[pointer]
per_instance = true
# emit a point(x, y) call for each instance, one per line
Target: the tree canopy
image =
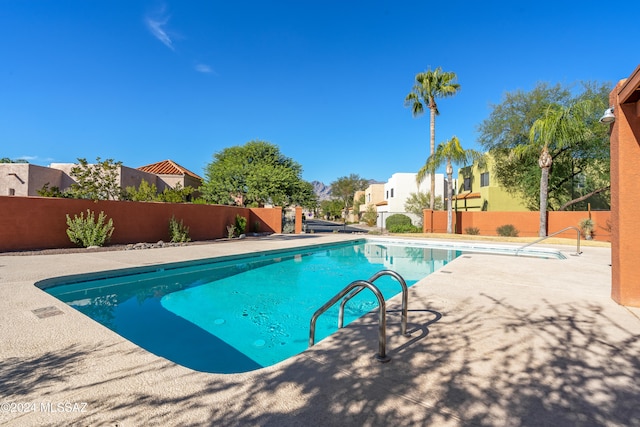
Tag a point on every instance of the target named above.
point(579, 169)
point(345, 187)
point(255, 174)
point(8, 160)
point(98, 181)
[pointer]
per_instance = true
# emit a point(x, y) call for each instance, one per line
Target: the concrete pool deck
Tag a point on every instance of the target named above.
point(496, 341)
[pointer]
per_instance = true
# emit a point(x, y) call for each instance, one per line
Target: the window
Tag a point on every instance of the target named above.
point(387, 194)
point(467, 184)
point(392, 192)
point(484, 179)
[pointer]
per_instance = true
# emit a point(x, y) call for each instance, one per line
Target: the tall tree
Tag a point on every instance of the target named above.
point(578, 170)
point(344, 189)
point(429, 86)
point(449, 153)
point(253, 175)
point(558, 129)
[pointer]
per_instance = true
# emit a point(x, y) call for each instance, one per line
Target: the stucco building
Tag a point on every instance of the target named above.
point(477, 190)
point(25, 179)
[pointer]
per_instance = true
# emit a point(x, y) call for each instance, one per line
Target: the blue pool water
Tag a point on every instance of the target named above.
point(240, 314)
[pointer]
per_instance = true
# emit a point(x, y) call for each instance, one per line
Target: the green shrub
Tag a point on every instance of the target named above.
point(396, 220)
point(241, 224)
point(178, 231)
point(473, 231)
point(404, 228)
point(507, 230)
point(87, 231)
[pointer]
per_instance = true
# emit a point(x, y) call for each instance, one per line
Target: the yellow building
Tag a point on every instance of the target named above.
point(478, 191)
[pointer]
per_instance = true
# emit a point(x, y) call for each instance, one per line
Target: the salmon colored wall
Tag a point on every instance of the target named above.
point(527, 223)
point(601, 219)
point(40, 222)
point(298, 220)
point(625, 175)
point(439, 222)
point(270, 220)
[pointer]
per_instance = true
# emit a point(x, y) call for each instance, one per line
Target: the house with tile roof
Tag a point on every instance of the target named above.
point(25, 179)
point(172, 174)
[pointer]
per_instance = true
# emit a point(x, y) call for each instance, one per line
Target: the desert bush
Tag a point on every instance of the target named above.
point(473, 231)
point(241, 224)
point(178, 231)
point(507, 230)
point(370, 216)
point(88, 231)
point(231, 231)
point(587, 227)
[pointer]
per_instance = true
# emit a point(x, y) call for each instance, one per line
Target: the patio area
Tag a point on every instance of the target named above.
point(496, 341)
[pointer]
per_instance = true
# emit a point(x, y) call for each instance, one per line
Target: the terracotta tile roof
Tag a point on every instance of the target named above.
point(467, 196)
point(168, 167)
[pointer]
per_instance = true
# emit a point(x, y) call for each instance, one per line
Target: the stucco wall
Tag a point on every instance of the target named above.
point(625, 175)
point(26, 179)
point(527, 223)
point(40, 222)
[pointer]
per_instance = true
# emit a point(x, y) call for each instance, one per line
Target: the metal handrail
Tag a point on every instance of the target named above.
point(405, 298)
point(382, 327)
point(578, 252)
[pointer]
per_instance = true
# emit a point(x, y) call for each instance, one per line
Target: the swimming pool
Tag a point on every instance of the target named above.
point(240, 313)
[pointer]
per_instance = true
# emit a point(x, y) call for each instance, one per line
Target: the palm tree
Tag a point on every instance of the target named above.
point(430, 85)
point(449, 152)
point(559, 128)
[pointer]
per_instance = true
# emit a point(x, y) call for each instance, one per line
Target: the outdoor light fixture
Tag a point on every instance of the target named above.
point(608, 116)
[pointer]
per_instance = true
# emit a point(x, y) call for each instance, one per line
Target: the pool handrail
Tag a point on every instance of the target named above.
point(382, 322)
point(405, 298)
point(578, 252)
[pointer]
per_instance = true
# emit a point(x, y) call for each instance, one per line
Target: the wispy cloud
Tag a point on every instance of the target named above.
point(157, 26)
point(203, 68)
point(36, 159)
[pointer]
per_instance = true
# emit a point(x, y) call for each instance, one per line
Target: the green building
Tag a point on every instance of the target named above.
point(477, 191)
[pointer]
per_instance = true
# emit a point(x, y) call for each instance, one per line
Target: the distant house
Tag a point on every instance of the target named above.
point(172, 174)
point(399, 188)
point(373, 194)
point(478, 190)
point(25, 179)
point(390, 197)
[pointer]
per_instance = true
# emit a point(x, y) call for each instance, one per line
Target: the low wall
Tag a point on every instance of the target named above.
point(40, 222)
point(527, 223)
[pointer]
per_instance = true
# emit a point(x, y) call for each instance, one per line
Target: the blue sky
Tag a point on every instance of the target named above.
point(145, 81)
